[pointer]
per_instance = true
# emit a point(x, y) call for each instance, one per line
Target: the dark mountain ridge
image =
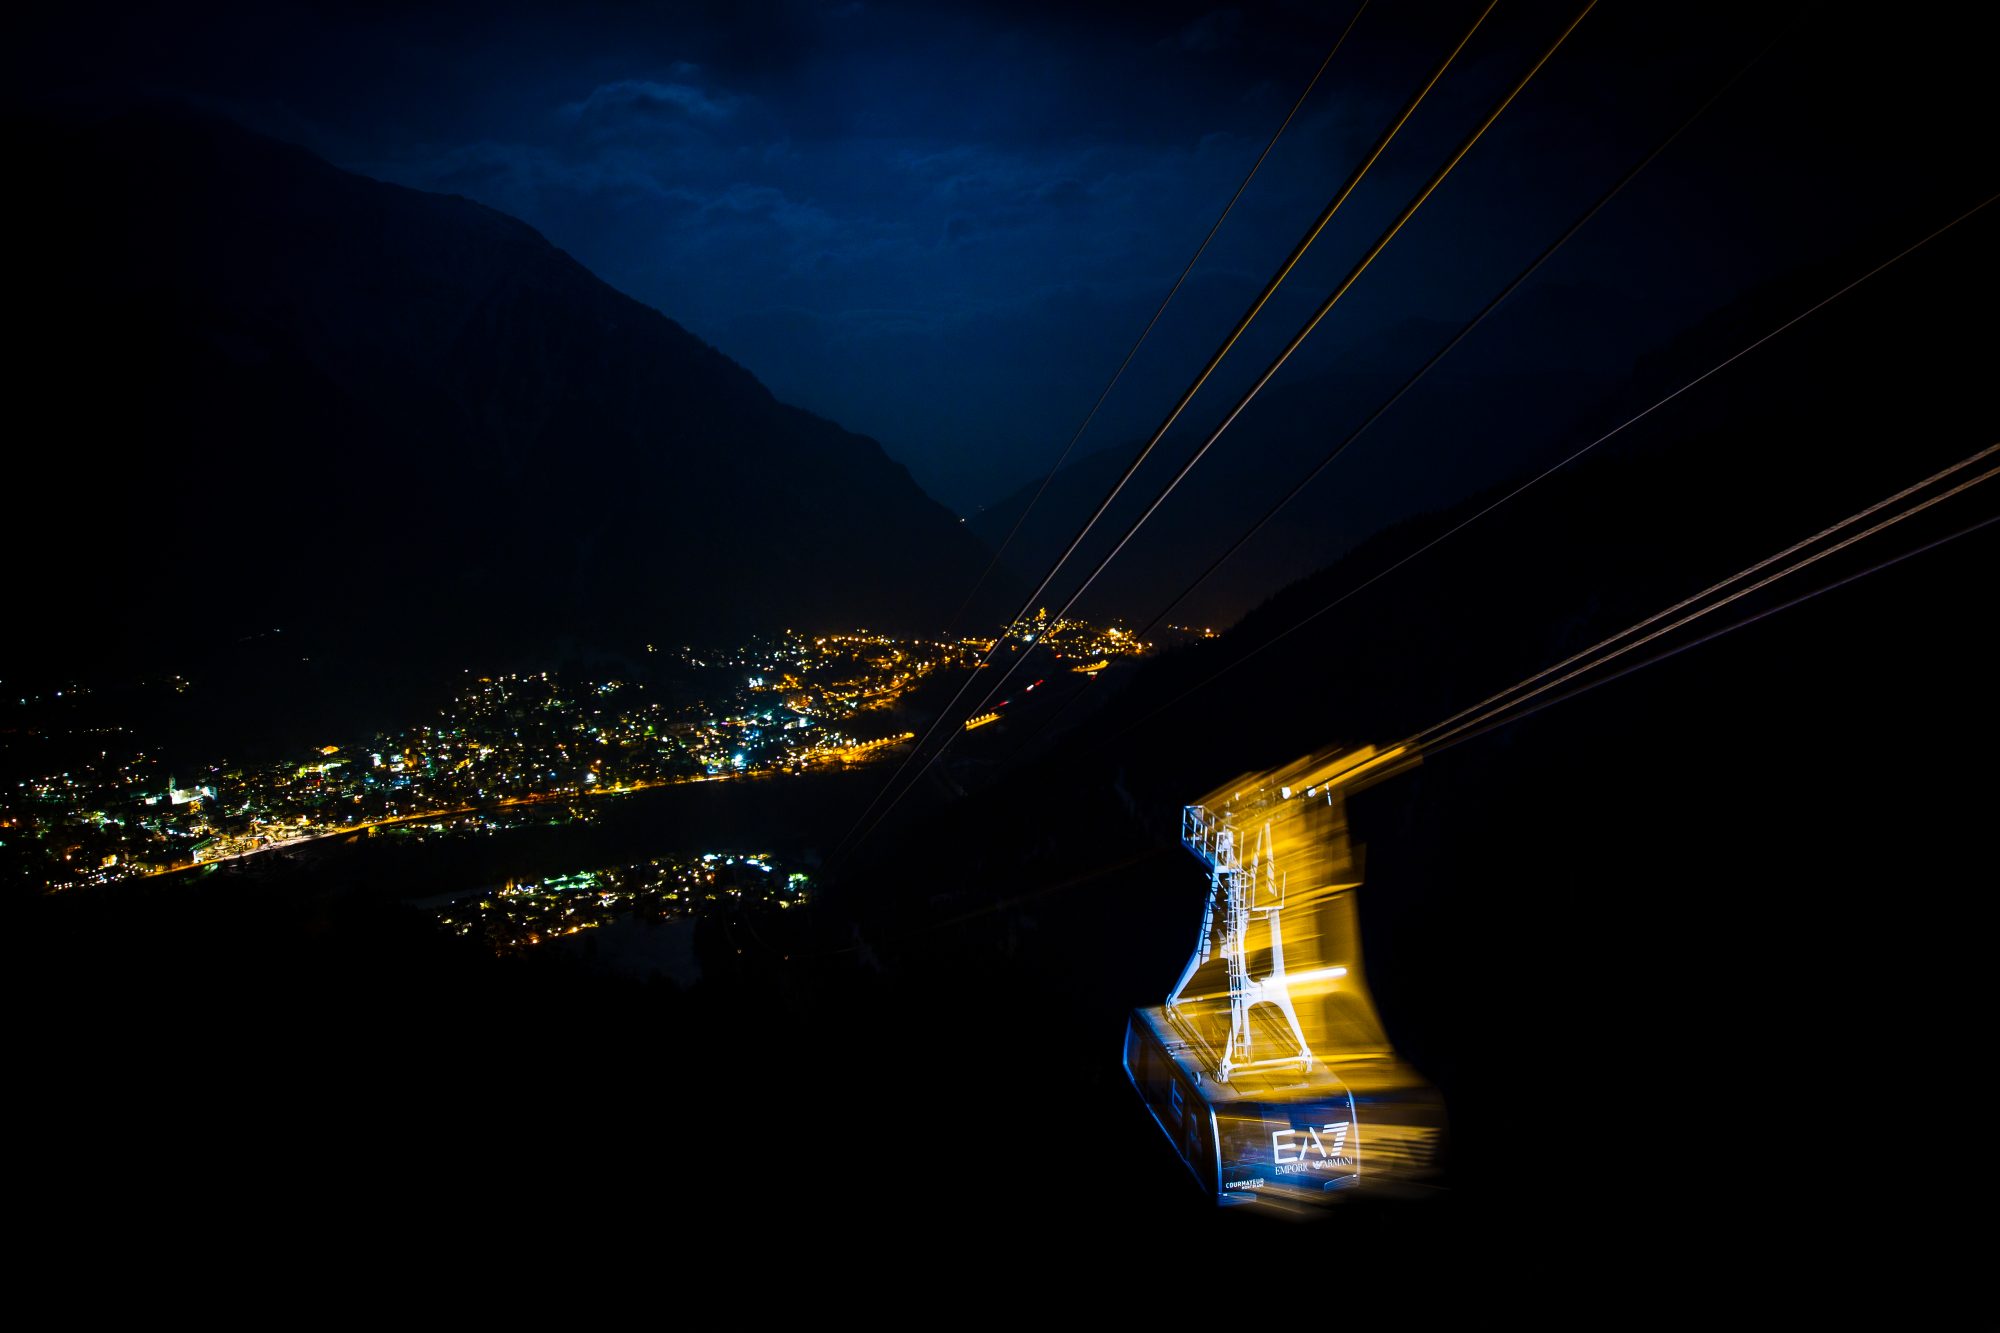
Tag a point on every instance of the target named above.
point(274, 393)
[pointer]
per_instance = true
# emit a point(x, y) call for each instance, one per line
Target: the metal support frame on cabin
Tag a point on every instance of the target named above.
point(1241, 893)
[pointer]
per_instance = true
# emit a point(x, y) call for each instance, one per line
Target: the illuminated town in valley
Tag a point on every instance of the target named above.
point(507, 750)
point(522, 913)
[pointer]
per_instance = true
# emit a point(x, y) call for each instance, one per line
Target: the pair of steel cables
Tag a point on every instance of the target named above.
point(1545, 687)
point(1561, 464)
point(1519, 700)
point(865, 825)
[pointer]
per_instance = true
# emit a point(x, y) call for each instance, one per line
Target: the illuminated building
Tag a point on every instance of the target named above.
point(1267, 1066)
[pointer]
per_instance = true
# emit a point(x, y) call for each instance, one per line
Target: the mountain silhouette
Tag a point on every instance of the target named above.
point(269, 393)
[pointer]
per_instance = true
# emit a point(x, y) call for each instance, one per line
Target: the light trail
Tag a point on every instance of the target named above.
point(1741, 574)
point(1517, 698)
point(1558, 466)
point(1966, 531)
point(1146, 332)
point(1719, 633)
point(1305, 330)
point(1215, 359)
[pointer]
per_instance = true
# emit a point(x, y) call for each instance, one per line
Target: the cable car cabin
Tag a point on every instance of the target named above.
point(1267, 1067)
point(1285, 1139)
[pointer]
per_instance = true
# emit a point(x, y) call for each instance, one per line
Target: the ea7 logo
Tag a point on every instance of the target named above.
point(1327, 1141)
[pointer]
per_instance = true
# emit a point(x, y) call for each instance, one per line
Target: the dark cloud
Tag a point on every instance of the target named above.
point(635, 106)
point(1213, 31)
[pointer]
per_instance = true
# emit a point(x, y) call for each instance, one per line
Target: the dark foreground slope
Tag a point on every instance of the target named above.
point(1698, 959)
point(259, 391)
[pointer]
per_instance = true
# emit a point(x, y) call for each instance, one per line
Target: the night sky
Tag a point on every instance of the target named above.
point(943, 225)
